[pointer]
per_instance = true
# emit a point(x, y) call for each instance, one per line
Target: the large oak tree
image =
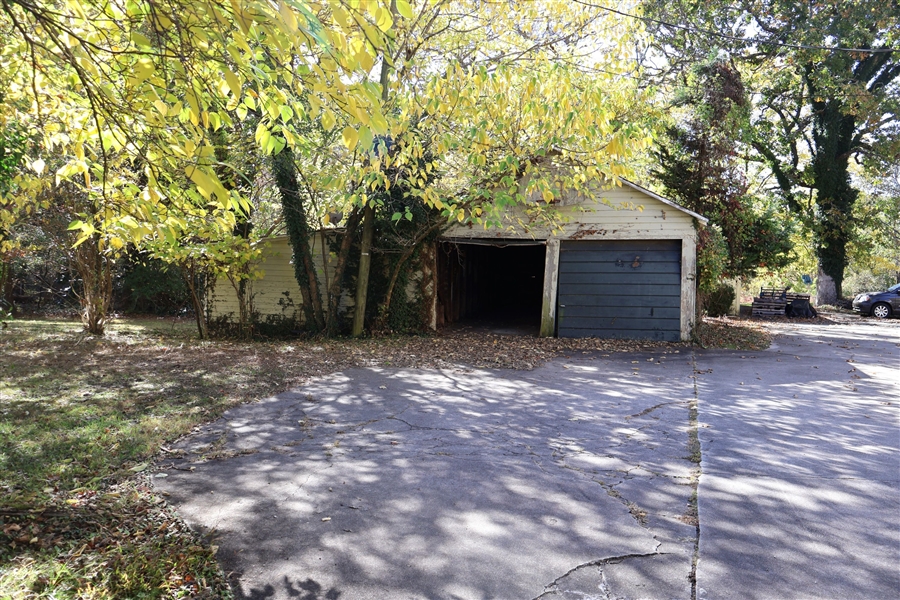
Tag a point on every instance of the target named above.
point(823, 76)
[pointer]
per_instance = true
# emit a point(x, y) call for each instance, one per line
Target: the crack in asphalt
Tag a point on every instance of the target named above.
point(561, 452)
point(413, 427)
point(647, 411)
point(553, 586)
point(694, 439)
point(324, 467)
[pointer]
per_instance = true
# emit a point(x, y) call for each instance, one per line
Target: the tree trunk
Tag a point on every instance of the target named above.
point(827, 290)
point(696, 337)
point(244, 293)
point(191, 278)
point(833, 133)
point(332, 324)
point(301, 238)
point(365, 261)
point(386, 308)
point(95, 270)
point(6, 289)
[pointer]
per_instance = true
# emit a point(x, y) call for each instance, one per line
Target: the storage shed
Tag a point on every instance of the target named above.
point(625, 269)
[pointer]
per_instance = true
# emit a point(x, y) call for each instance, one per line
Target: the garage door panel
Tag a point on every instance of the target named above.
point(578, 256)
point(620, 312)
point(635, 256)
point(615, 289)
point(612, 267)
point(643, 279)
point(613, 300)
point(629, 289)
point(666, 246)
point(623, 334)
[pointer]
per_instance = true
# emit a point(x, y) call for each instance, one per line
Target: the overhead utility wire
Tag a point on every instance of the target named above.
point(732, 37)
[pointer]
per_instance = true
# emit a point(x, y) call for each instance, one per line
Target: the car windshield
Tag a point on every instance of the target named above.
point(894, 288)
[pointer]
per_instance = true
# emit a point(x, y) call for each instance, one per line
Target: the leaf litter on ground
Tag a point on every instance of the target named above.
point(83, 417)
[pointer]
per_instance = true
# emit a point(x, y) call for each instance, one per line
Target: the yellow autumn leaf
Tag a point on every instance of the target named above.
point(613, 147)
point(192, 101)
point(378, 123)
point(290, 19)
point(365, 60)
point(327, 120)
point(140, 39)
point(234, 83)
point(365, 138)
point(205, 184)
point(404, 8)
point(383, 19)
point(341, 16)
point(350, 137)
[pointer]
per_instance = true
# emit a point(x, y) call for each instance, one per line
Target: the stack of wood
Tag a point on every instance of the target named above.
point(773, 302)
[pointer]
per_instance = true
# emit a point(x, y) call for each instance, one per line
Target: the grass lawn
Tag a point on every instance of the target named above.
point(82, 419)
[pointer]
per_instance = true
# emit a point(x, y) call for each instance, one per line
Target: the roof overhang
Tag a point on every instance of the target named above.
point(499, 242)
point(656, 196)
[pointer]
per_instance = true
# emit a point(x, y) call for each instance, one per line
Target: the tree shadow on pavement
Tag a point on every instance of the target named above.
point(303, 590)
point(800, 489)
point(458, 483)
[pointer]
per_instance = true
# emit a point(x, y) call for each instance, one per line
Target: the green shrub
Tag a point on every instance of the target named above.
point(149, 286)
point(718, 302)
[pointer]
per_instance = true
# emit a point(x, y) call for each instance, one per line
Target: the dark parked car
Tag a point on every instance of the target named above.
point(879, 304)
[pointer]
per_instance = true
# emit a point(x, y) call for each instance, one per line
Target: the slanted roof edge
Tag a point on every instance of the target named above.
point(671, 203)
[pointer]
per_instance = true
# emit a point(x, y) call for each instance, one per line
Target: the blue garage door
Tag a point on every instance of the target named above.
point(624, 290)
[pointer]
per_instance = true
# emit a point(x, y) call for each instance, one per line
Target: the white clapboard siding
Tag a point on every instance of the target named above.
point(631, 213)
point(278, 278)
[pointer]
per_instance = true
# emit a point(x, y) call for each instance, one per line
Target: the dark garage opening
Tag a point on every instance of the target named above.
point(491, 285)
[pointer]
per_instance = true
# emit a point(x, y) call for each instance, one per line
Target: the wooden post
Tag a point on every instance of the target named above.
point(689, 302)
point(551, 281)
point(736, 305)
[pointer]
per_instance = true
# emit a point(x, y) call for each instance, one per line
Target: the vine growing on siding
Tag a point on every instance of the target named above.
point(301, 237)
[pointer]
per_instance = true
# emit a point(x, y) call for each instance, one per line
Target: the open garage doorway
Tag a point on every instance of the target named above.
point(491, 284)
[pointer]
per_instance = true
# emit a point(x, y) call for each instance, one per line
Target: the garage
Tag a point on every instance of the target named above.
point(620, 289)
point(620, 264)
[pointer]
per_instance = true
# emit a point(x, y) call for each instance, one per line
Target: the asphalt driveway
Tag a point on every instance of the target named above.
point(574, 480)
point(800, 492)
